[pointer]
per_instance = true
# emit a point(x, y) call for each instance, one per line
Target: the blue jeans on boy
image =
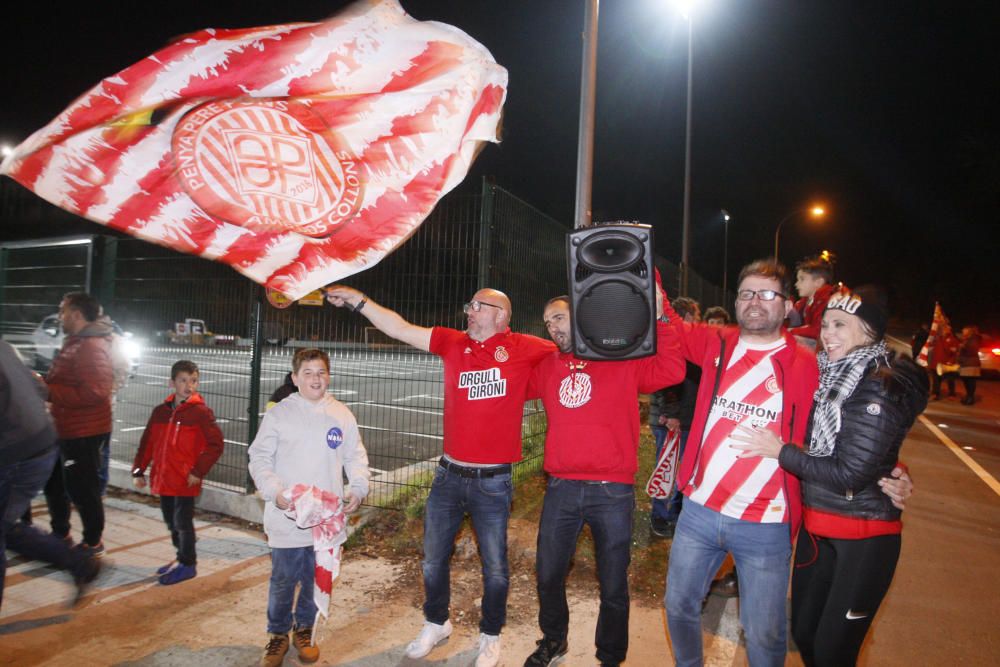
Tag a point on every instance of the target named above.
point(19, 484)
point(607, 508)
point(487, 501)
point(178, 514)
point(761, 552)
point(668, 509)
point(291, 567)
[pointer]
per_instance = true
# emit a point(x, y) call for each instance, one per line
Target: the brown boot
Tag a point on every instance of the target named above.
point(274, 652)
point(302, 638)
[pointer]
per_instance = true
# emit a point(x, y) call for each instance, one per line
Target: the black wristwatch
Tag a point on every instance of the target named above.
point(361, 304)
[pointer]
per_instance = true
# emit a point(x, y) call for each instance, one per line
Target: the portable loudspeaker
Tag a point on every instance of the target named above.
point(612, 291)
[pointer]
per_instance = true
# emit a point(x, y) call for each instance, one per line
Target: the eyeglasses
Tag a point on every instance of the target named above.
point(477, 306)
point(762, 294)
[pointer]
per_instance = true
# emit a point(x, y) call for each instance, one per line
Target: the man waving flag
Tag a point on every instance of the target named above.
point(298, 154)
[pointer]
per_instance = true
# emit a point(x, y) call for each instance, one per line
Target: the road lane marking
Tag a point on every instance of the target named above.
point(962, 456)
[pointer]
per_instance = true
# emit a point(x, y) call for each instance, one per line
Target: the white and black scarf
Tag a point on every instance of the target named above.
point(837, 381)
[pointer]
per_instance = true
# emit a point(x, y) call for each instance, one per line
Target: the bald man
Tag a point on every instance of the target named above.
point(486, 372)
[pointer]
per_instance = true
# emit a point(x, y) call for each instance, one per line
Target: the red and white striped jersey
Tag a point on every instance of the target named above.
point(750, 489)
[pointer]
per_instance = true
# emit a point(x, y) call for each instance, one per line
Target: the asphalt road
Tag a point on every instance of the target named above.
point(397, 398)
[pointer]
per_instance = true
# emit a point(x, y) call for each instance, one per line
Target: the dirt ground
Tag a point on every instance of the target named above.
point(218, 618)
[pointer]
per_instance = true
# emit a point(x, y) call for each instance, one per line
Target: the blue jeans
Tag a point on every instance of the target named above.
point(19, 484)
point(291, 567)
point(668, 509)
point(761, 552)
point(607, 508)
point(178, 514)
point(487, 502)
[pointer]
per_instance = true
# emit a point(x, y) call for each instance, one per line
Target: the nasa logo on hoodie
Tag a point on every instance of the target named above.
point(334, 438)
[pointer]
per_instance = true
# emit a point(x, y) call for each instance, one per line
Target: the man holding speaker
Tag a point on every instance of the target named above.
point(486, 373)
point(591, 456)
point(755, 374)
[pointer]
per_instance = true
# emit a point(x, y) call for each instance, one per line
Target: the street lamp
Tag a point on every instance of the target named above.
point(687, 9)
point(725, 253)
point(816, 212)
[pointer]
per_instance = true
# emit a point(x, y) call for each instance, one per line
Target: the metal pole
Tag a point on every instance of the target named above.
point(777, 232)
point(257, 352)
point(725, 258)
point(488, 195)
point(585, 140)
point(686, 228)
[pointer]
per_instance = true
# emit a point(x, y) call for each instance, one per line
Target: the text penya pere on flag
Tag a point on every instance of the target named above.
point(299, 154)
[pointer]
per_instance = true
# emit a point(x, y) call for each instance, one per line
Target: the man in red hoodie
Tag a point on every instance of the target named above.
point(591, 450)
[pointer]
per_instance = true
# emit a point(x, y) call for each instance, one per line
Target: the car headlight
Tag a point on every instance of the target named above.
point(132, 349)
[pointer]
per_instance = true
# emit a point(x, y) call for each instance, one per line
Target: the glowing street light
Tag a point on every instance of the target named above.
point(816, 212)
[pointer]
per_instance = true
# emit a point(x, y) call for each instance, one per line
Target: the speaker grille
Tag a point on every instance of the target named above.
point(615, 317)
point(611, 252)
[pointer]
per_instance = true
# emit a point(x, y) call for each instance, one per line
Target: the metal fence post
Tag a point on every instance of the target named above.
point(256, 351)
point(485, 232)
point(103, 284)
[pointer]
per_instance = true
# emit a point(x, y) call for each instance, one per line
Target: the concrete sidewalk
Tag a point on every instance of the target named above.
point(218, 618)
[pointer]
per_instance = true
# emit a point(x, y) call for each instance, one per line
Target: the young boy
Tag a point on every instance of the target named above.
point(814, 283)
point(308, 438)
point(183, 442)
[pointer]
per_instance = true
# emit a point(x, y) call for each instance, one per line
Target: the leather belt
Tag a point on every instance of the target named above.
point(480, 473)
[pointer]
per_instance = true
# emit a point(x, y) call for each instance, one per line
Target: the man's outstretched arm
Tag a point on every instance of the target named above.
point(387, 321)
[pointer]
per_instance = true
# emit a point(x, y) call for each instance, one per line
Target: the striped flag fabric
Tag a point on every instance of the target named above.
point(937, 327)
point(322, 512)
point(298, 154)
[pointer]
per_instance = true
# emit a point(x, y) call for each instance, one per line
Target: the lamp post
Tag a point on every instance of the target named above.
point(585, 137)
point(814, 211)
point(725, 252)
point(686, 10)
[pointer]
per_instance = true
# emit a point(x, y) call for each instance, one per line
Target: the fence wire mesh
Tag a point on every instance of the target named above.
point(182, 307)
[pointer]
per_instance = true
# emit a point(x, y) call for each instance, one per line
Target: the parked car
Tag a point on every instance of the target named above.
point(47, 340)
point(989, 356)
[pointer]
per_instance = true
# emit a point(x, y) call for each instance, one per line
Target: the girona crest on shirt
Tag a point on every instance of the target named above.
point(575, 389)
point(266, 165)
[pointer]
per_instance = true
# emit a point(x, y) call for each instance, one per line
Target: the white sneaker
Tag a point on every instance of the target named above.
point(489, 650)
point(430, 636)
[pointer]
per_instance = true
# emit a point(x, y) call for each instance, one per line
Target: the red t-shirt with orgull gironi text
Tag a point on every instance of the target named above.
point(484, 390)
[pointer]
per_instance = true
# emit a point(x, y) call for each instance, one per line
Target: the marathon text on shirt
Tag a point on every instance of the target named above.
point(483, 384)
point(737, 410)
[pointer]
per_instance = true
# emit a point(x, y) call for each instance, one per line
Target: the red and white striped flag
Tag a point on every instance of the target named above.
point(298, 154)
point(321, 511)
point(937, 325)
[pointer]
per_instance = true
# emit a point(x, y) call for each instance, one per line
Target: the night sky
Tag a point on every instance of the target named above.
point(884, 111)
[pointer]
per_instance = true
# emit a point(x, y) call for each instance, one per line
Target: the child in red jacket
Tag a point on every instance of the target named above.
point(183, 442)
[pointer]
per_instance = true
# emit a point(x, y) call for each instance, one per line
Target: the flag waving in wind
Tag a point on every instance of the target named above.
point(937, 330)
point(298, 154)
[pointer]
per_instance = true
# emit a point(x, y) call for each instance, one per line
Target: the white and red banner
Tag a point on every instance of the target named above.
point(661, 482)
point(937, 329)
point(321, 511)
point(298, 154)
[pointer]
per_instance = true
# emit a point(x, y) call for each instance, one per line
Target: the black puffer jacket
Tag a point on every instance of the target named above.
point(874, 421)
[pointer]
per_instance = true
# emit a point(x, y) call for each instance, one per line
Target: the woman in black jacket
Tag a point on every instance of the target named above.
point(849, 545)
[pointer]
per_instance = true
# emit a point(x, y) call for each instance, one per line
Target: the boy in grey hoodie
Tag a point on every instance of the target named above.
point(309, 438)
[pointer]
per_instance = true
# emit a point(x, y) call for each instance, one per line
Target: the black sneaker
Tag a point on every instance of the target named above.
point(548, 651)
point(662, 527)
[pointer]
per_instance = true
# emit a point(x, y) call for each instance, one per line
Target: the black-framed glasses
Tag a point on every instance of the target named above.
point(477, 306)
point(762, 294)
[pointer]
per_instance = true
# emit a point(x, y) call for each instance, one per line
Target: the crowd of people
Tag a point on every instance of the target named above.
point(783, 450)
